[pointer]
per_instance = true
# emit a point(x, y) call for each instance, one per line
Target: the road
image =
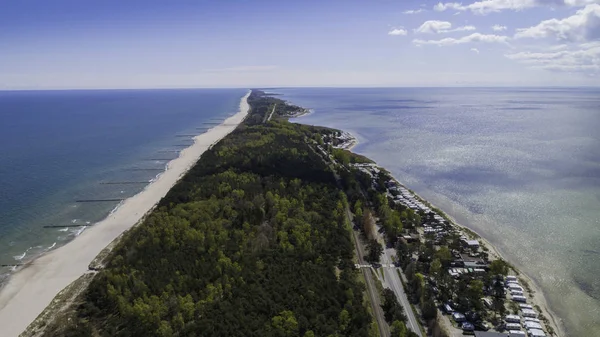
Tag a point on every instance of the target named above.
point(392, 280)
point(268, 117)
point(384, 328)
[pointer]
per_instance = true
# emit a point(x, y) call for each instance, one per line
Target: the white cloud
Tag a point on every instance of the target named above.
point(583, 58)
point(584, 25)
point(498, 28)
point(436, 27)
point(475, 50)
point(489, 6)
point(433, 26)
point(475, 37)
point(414, 11)
point(398, 32)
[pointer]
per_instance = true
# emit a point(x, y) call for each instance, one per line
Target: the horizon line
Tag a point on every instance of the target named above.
point(300, 87)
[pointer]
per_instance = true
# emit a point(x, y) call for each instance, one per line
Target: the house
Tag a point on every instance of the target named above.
point(532, 325)
point(514, 286)
point(518, 298)
point(529, 313)
point(490, 334)
point(516, 333)
point(473, 244)
point(513, 326)
point(536, 333)
point(513, 318)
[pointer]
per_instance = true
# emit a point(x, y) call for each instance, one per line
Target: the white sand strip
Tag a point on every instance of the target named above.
point(32, 288)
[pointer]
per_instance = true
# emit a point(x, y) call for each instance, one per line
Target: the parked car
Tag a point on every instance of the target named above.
point(467, 326)
point(482, 326)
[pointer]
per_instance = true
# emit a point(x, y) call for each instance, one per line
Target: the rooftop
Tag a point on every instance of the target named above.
point(490, 334)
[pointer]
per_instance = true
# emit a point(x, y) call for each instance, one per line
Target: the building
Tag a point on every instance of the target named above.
point(473, 244)
point(490, 334)
point(513, 318)
point(536, 333)
point(529, 313)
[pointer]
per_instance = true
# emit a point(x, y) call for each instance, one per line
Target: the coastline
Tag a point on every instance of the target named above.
point(537, 295)
point(32, 288)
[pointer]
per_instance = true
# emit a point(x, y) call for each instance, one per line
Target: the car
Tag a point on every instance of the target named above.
point(447, 309)
point(482, 326)
point(472, 316)
point(467, 326)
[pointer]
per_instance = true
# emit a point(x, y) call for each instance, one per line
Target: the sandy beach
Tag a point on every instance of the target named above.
point(33, 287)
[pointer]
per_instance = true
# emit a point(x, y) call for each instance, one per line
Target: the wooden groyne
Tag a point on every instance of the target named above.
point(124, 182)
point(145, 169)
point(11, 265)
point(62, 226)
point(98, 200)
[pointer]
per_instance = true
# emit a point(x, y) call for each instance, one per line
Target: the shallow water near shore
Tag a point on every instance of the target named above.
point(63, 146)
point(521, 166)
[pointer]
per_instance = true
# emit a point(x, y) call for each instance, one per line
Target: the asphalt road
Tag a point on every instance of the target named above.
point(393, 282)
point(384, 328)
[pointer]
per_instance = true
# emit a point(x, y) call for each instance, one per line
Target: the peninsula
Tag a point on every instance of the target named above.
point(280, 230)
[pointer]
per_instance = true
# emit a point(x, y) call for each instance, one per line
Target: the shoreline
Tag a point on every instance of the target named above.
point(32, 288)
point(537, 294)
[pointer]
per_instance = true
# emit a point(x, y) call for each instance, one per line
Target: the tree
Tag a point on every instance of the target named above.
point(499, 267)
point(368, 224)
point(285, 324)
point(475, 294)
point(498, 306)
point(410, 271)
point(435, 268)
point(429, 311)
point(398, 329)
point(374, 251)
point(443, 254)
point(344, 320)
point(392, 309)
point(402, 252)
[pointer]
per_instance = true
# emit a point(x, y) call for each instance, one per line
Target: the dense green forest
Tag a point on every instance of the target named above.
point(253, 241)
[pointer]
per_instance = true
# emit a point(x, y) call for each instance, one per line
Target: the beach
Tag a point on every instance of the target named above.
point(34, 286)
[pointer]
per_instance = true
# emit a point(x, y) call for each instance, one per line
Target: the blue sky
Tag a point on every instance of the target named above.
point(153, 44)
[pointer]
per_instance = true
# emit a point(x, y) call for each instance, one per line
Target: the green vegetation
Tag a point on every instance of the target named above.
point(246, 244)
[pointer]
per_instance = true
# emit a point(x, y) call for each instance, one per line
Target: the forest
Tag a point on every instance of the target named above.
point(253, 241)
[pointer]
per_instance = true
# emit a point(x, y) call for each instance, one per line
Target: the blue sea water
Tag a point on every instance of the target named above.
point(59, 146)
point(521, 166)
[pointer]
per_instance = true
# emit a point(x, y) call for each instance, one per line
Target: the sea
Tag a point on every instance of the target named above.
point(520, 166)
point(61, 147)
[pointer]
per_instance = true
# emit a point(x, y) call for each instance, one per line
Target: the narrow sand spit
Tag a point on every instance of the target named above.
point(32, 288)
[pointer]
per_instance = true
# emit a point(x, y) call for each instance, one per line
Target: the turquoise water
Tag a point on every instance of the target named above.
point(59, 146)
point(521, 166)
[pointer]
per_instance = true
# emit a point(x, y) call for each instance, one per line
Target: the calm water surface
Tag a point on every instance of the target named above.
point(520, 166)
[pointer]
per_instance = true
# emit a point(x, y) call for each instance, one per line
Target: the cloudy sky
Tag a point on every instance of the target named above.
point(236, 43)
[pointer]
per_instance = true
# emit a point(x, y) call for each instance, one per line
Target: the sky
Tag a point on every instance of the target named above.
point(76, 44)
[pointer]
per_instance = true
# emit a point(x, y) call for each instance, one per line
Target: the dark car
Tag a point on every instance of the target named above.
point(467, 326)
point(472, 316)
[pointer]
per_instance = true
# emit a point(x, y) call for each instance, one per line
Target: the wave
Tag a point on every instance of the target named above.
point(21, 257)
point(80, 231)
